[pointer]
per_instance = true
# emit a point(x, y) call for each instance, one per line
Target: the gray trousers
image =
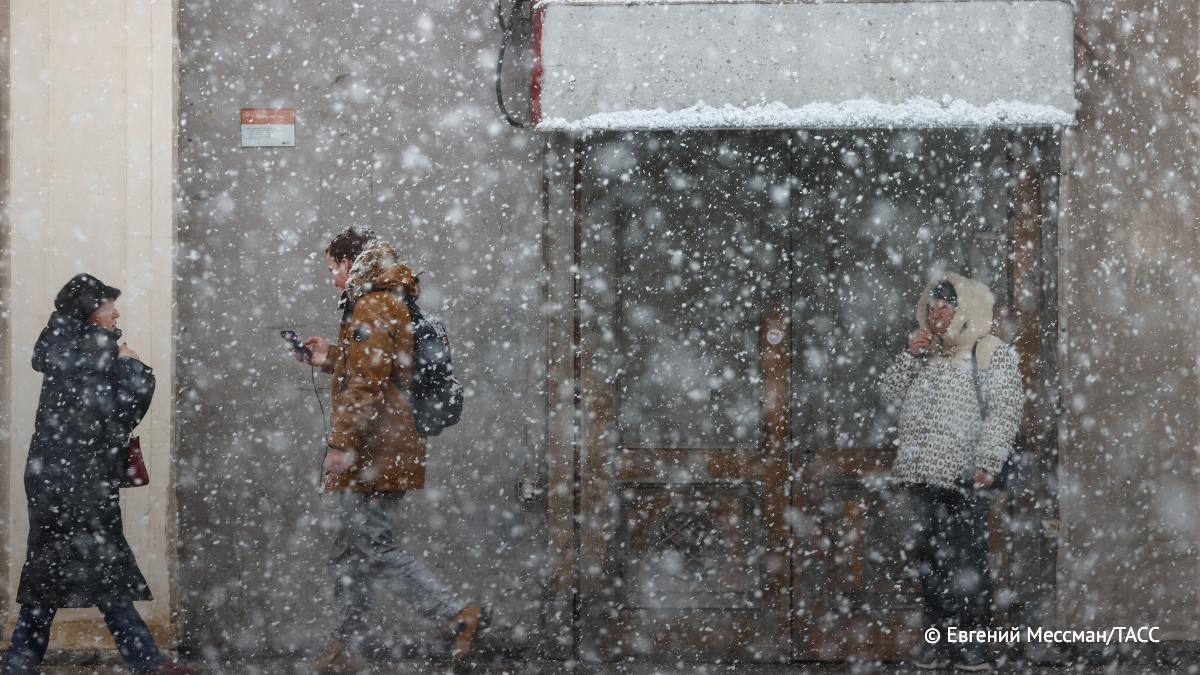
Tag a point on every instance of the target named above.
point(367, 561)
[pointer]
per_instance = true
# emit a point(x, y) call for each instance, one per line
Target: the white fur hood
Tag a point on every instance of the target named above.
point(972, 320)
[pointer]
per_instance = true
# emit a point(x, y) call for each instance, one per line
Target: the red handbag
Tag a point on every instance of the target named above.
point(136, 474)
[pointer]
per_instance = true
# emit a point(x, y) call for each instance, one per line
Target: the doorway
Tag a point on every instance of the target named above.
point(738, 296)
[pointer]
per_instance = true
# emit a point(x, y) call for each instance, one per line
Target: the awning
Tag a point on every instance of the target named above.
point(698, 64)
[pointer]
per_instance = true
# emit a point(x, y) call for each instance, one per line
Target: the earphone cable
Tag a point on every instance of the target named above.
point(325, 424)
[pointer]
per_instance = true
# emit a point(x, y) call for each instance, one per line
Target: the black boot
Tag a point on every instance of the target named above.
point(931, 657)
point(970, 658)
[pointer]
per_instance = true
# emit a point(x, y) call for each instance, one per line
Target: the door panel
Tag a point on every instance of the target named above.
point(881, 213)
point(688, 548)
point(740, 295)
point(687, 321)
point(854, 598)
point(684, 399)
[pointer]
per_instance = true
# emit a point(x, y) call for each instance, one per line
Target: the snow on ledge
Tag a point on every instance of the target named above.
point(860, 113)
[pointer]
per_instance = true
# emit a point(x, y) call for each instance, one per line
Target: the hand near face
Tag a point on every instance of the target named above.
point(918, 342)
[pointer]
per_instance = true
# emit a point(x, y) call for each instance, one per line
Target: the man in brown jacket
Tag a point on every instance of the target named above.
point(375, 453)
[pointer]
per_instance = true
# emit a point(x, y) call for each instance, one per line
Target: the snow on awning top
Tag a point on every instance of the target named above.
point(699, 64)
point(862, 113)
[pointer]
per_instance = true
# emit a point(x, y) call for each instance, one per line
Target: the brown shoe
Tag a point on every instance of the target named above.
point(337, 658)
point(465, 625)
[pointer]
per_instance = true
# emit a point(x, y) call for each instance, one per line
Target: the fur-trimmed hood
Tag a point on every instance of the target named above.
point(972, 318)
point(378, 268)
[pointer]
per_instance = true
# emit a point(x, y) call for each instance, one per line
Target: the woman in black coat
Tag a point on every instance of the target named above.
point(95, 390)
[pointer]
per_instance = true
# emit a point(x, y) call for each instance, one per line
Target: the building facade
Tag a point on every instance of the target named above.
point(599, 510)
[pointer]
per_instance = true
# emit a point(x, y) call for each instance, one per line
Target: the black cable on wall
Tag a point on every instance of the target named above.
point(506, 30)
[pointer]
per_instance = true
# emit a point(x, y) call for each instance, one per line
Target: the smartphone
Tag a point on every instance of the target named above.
point(298, 347)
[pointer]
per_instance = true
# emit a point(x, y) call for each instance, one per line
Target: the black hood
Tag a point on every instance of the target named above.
point(67, 343)
point(82, 295)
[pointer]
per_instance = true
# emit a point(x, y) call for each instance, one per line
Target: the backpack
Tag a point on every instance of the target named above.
point(436, 394)
point(1001, 480)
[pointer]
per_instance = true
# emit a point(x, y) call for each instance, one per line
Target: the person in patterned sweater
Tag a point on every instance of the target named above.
point(958, 391)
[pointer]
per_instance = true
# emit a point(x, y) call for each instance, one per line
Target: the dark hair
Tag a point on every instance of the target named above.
point(348, 243)
point(944, 291)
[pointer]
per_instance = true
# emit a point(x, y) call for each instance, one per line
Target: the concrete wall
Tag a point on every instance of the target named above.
point(1130, 478)
point(91, 168)
point(396, 128)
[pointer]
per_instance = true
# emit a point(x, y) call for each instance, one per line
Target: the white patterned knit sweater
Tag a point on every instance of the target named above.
point(942, 436)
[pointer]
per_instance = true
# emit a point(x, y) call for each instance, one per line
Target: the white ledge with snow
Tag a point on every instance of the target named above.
point(672, 65)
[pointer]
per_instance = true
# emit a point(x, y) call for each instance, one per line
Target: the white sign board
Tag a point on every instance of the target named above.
point(268, 127)
point(666, 64)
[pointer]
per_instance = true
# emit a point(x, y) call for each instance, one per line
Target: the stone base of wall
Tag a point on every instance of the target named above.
point(87, 640)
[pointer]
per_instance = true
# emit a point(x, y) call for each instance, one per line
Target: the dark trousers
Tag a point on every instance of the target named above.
point(948, 543)
point(32, 635)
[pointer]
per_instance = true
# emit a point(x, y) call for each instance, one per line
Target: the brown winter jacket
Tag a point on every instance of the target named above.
point(371, 414)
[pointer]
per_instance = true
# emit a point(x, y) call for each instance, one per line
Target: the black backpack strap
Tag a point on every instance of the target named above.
point(414, 315)
point(1001, 480)
point(414, 311)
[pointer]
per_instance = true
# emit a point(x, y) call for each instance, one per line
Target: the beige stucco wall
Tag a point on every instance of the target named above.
point(92, 169)
point(1130, 551)
point(5, 365)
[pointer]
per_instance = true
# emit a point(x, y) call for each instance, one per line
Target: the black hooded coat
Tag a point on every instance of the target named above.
point(90, 402)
